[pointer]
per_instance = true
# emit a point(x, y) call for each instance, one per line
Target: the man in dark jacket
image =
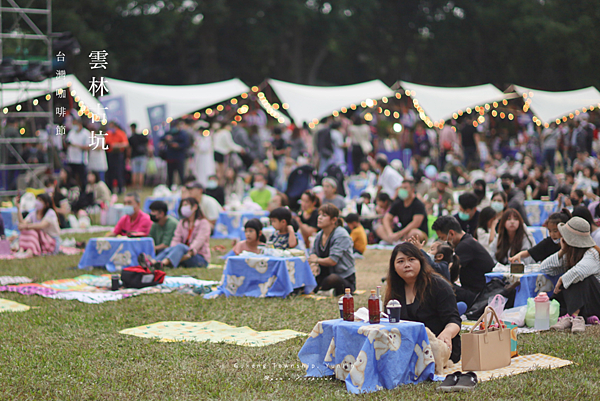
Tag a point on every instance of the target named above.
point(175, 145)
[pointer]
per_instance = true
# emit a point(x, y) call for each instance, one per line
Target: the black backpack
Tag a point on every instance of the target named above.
point(324, 143)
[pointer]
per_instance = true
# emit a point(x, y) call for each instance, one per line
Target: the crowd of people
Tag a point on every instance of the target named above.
point(301, 178)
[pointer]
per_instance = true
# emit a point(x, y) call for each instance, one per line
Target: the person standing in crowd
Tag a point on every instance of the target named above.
point(440, 195)
point(422, 146)
point(447, 139)
point(135, 222)
point(117, 143)
point(174, 148)
point(224, 145)
point(209, 206)
point(78, 142)
point(389, 180)
point(138, 143)
point(475, 261)
point(550, 138)
point(297, 144)
point(469, 139)
point(203, 162)
point(330, 194)
point(331, 259)
point(360, 136)
point(97, 161)
point(163, 226)
point(411, 214)
point(280, 148)
point(213, 189)
point(468, 215)
point(235, 187)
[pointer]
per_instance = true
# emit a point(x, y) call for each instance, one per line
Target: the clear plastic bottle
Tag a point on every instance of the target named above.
point(374, 311)
point(348, 306)
point(542, 312)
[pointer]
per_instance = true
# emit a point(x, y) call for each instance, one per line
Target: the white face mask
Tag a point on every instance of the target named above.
point(556, 241)
point(259, 185)
point(186, 211)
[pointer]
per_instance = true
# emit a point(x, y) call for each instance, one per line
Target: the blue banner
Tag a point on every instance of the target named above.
point(157, 116)
point(115, 111)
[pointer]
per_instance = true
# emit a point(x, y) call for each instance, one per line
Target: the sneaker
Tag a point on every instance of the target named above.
point(449, 382)
point(466, 382)
point(564, 322)
point(578, 324)
point(593, 320)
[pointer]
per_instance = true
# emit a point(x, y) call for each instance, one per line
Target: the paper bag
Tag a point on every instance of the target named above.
point(486, 349)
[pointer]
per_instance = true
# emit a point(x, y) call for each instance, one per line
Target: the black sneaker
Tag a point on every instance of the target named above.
point(449, 382)
point(466, 382)
point(143, 260)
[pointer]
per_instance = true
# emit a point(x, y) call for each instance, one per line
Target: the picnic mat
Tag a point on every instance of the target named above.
point(518, 365)
point(211, 331)
point(4, 280)
point(12, 306)
point(64, 250)
point(92, 289)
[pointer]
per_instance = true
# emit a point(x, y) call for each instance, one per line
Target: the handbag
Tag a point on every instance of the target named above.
point(486, 349)
point(140, 277)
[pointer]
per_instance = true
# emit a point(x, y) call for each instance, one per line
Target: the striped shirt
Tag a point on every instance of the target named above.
point(587, 266)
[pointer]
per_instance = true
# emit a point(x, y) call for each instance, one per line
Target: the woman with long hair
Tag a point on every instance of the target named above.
point(190, 243)
point(331, 258)
point(425, 296)
point(39, 231)
point(578, 265)
point(511, 239)
point(486, 229)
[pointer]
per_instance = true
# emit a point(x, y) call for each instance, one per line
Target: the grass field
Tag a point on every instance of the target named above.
point(67, 350)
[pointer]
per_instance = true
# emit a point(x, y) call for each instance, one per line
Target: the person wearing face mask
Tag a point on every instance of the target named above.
point(135, 222)
point(475, 261)
point(215, 190)
point(78, 141)
point(486, 230)
point(514, 196)
point(190, 243)
point(499, 202)
point(512, 237)
point(39, 231)
point(549, 245)
point(411, 214)
point(389, 180)
point(468, 215)
point(479, 189)
point(163, 225)
point(577, 198)
point(440, 195)
point(261, 193)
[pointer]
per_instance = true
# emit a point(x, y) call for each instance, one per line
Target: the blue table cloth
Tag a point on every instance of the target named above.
point(10, 217)
point(231, 224)
point(531, 284)
point(115, 253)
point(369, 357)
point(539, 233)
point(539, 211)
point(171, 201)
point(264, 276)
point(357, 187)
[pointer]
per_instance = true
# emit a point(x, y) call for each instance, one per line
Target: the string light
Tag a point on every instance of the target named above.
point(344, 110)
point(234, 101)
point(197, 115)
point(244, 95)
point(398, 95)
point(22, 131)
point(255, 89)
point(220, 107)
point(35, 102)
point(169, 119)
point(145, 131)
point(18, 107)
point(285, 106)
point(205, 132)
point(384, 99)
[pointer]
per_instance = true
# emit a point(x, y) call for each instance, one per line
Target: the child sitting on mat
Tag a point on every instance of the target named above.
point(284, 236)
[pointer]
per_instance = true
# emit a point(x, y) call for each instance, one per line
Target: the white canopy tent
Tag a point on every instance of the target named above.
point(307, 103)
point(439, 104)
point(17, 92)
point(179, 99)
point(551, 106)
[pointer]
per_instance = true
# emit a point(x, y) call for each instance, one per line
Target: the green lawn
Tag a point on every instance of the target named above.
point(67, 350)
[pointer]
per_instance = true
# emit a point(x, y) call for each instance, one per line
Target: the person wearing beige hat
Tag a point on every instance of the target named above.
point(578, 265)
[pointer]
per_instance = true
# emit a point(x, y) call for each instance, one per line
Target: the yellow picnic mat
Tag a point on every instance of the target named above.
point(12, 306)
point(212, 331)
point(519, 364)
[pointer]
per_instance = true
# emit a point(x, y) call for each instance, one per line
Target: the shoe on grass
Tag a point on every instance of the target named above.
point(578, 324)
point(466, 382)
point(449, 382)
point(564, 322)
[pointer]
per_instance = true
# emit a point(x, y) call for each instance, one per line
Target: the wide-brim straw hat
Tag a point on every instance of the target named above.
point(576, 233)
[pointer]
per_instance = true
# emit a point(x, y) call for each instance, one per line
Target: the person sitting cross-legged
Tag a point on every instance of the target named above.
point(190, 244)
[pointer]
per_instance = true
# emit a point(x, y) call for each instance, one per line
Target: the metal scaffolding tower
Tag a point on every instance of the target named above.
point(22, 27)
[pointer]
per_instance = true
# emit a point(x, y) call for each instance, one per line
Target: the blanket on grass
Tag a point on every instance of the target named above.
point(63, 250)
point(4, 280)
point(211, 331)
point(92, 289)
point(12, 306)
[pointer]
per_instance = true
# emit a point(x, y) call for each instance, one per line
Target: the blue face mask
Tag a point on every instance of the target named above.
point(128, 210)
point(463, 216)
point(212, 184)
point(402, 194)
point(497, 206)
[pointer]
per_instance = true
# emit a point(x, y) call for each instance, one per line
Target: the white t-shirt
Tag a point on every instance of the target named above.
point(210, 207)
point(53, 229)
point(81, 138)
point(390, 180)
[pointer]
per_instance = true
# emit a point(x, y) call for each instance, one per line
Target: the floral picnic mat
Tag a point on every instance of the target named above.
point(518, 365)
point(12, 306)
point(211, 331)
